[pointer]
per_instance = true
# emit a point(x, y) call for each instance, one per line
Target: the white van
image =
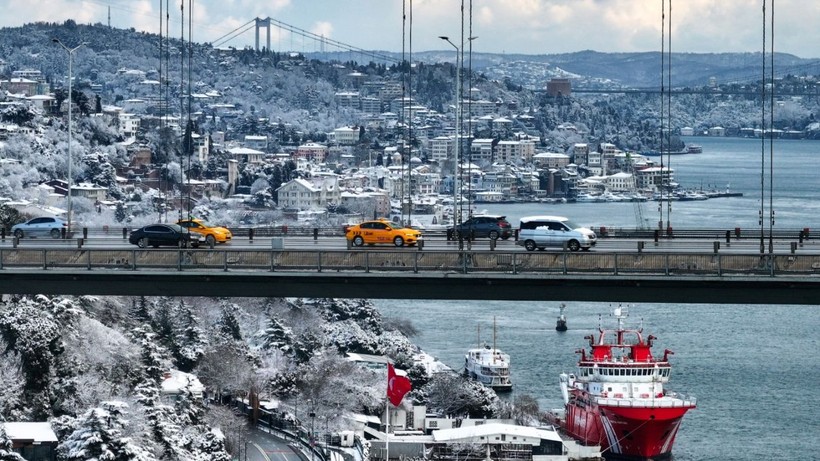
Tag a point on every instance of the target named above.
point(554, 231)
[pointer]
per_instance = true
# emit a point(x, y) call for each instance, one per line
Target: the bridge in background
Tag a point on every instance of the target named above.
point(412, 274)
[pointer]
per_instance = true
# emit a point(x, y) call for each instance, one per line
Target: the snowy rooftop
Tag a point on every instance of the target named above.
point(487, 430)
point(176, 381)
point(36, 432)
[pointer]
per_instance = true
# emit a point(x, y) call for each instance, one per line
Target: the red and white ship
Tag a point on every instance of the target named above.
point(618, 400)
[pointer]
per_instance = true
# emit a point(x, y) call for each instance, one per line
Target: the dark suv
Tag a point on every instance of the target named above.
point(489, 226)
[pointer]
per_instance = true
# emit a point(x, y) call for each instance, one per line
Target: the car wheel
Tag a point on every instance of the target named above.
point(493, 235)
point(18, 233)
point(55, 233)
point(358, 241)
point(398, 241)
point(573, 245)
point(143, 242)
point(210, 241)
point(529, 245)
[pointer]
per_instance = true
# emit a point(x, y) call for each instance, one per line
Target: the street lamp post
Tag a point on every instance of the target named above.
point(311, 439)
point(456, 175)
point(70, 52)
point(458, 130)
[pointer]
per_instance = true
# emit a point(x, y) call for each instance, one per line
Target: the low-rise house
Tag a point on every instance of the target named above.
point(303, 194)
point(34, 441)
point(247, 155)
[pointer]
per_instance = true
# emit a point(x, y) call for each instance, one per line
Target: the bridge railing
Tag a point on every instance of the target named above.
point(286, 230)
point(655, 263)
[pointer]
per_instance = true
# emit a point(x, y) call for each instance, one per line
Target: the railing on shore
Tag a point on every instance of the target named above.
point(370, 260)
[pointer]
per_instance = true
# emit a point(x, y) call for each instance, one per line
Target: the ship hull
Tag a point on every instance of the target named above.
point(626, 432)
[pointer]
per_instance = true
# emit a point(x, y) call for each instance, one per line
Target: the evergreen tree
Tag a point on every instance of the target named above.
point(188, 339)
point(36, 337)
point(228, 324)
point(139, 310)
point(6, 452)
point(211, 446)
point(99, 436)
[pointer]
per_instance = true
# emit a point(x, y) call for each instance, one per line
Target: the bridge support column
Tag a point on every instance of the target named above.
point(794, 247)
point(715, 247)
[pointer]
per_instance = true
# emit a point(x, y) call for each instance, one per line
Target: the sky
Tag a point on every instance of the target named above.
point(501, 26)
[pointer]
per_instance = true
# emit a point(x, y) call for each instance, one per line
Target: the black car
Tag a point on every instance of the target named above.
point(483, 226)
point(164, 234)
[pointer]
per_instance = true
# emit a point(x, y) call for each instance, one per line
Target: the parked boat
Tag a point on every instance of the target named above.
point(694, 149)
point(618, 399)
point(488, 365)
point(561, 324)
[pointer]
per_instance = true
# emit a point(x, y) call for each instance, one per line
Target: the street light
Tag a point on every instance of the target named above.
point(458, 132)
point(312, 441)
point(458, 142)
point(70, 52)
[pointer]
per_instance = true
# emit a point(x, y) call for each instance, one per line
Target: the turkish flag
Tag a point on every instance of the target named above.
point(397, 386)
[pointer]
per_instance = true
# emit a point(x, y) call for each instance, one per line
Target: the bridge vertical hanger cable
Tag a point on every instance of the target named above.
point(160, 112)
point(663, 57)
point(410, 126)
point(460, 118)
point(669, 118)
point(403, 98)
point(762, 133)
point(167, 102)
point(181, 88)
point(190, 126)
point(771, 139)
point(470, 115)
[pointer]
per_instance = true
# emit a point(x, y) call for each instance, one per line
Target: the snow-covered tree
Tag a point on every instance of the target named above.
point(6, 452)
point(99, 435)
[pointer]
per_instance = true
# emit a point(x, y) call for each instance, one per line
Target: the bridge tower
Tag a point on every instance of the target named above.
point(266, 24)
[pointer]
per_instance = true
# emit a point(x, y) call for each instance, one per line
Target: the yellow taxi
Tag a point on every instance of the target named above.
point(213, 234)
point(381, 231)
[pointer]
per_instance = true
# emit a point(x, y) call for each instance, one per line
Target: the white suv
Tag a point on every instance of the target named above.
point(554, 231)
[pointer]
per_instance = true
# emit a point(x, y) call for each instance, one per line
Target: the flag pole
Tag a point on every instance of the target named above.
point(387, 426)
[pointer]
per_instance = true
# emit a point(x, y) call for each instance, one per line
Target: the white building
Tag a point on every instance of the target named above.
point(246, 154)
point(346, 135)
point(441, 149)
point(312, 194)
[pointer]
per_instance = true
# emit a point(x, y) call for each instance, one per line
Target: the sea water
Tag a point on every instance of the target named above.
point(790, 187)
point(754, 369)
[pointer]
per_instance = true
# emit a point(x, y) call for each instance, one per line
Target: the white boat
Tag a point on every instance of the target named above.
point(489, 366)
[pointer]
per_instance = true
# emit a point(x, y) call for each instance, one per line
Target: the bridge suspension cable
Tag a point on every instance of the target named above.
point(330, 41)
point(305, 34)
point(234, 33)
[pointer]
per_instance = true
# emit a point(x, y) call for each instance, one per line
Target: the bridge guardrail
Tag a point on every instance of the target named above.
point(482, 261)
point(285, 230)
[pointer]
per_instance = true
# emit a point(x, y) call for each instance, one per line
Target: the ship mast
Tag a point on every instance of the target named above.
point(494, 339)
